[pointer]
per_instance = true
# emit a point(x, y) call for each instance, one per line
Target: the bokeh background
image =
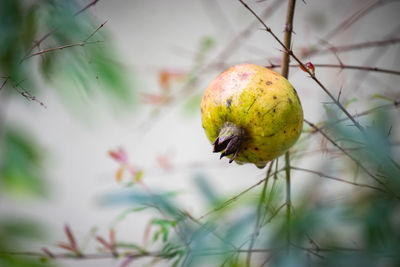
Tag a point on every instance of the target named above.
point(169, 51)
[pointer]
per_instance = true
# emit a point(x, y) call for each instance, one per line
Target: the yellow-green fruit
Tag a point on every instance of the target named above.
point(251, 114)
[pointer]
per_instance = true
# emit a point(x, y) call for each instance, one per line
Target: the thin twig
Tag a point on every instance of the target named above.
point(236, 41)
point(288, 194)
point(312, 75)
point(4, 82)
point(258, 225)
point(213, 231)
point(351, 47)
point(358, 163)
point(342, 66)
point(395, 104)
point(285, 73)
point(375, 56)
point(215, 62)
point(96, 30)
point(44, 37)
point(92, 3)
point(60, 48)
point(345, 24)
point(27, 95)
point(234, 198)
point(274, 213)
point(336, 178)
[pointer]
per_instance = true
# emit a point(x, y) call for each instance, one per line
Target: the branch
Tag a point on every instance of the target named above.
point(26, 94)
point(83, 43)
point(341, 66)
point(285, 73)
point(320, 174)
point(234, 198)
point(395, 104)
point(60, 48)
point(96, 30)
point(288, 37)
point(86, 256)
point(353, 18)
point(44, 37)
point(92, 3)
point(160, 254)
point(4, 82)
point(358, 46)
point(312, 75)
point(235, 42)
point(358, 163)
point(257, 226)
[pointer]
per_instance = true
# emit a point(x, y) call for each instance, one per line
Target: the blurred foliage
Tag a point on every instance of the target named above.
point(21, 165)
point(18, 27)
point(21, 175)
point(87, 68)
point(361, 229)
point(14, 233)
point(61, 44)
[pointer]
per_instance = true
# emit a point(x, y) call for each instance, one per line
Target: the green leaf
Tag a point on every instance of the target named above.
point(21, 165)
point(379, 96)
point(165, 226)
point(121, 217)
point(351, 100)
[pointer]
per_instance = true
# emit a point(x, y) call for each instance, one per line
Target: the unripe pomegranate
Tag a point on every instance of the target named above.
point(251, 114)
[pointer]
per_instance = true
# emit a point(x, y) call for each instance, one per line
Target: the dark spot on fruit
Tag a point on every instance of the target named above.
point(274, 96)
point(270, 135)
point(268, 82)
point(243, 76)
point(228, 103)
point(201, 109)
point(245, 148)
point(290, 101)
point(284, 132)
point(274, 110)
point(256, 148)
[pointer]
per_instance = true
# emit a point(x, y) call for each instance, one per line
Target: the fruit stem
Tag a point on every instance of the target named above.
point(229, 140)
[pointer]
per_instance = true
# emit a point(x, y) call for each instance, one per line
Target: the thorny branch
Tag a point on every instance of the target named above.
point(345, 24)
point(83, 43)
point(26, 94)
point(352, 47)
point(44, 37)
point(320, 174)
point(312, 75)
point(60, 48)
point(234, 198)
point(161, 254)
point(285, 73)
point(257, 225)
point(342, 66)
point(356, 161)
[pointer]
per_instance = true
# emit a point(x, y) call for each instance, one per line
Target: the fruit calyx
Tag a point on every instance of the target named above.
point(229, 140)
